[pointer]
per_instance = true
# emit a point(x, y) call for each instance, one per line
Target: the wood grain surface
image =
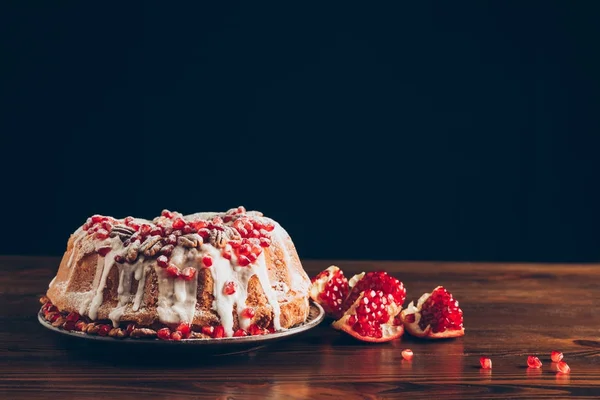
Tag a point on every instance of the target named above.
point(511, 311)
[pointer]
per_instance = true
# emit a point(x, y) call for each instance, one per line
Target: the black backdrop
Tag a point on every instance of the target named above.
point(423, 130)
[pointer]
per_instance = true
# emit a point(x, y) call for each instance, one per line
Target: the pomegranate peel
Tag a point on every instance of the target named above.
point(371, 318)
point(435, 316)
point(330, 288)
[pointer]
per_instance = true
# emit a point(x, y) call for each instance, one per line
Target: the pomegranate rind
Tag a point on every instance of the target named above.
point(413, 328)
point(389, 330)
point(319, 285)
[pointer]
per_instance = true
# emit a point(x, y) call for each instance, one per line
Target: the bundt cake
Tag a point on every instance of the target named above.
point(204, 275)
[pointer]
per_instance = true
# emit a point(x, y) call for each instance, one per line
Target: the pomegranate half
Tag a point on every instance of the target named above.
point(330, 288)
point(371, 318)
point(436, 316)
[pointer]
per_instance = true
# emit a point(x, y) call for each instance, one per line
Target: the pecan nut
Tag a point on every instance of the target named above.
point(122, 231)
point(58, 322)
point(190, 241)
point(92, 328)
point(132, 253)
point(44, 300)
point(117, 332)
point(217, 238)
point(142, 332)
point(151, 246)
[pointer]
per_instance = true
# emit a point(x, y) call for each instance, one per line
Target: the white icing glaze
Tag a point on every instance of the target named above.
point(260, 269)
point(78, 239)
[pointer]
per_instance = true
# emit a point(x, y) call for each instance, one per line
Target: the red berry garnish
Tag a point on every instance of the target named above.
point(556, 356)
point(103, 251)
point(162, 261)
point(79, 325)
point(533, 362)
point(188, 274)
point(207, 261)
point(156, 231)
point(219, 332)
point(119, 259)
point(173, 271)
point(176, 336)
point(184, 329)
point(229, 288)
point(164, 334)
point(247, 313)
point(101, 234)
point(73, 316)
point(486, 363)
point(167, 214)
point(104, 329)
point(240, 333)
point(178, 223)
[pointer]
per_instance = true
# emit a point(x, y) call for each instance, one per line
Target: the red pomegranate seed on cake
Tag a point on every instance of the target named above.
point(407, 354)
point(156, 231)
point(166, 213)
point(486, 363)
point(255, 330)
point(240, 333)
point(184, 329)
point(252, 257)
point(53, 316)
point(533, 362)
point(243, 261)
point(248, 313)
point(219, 332)
point(106, 226)
point(164, 333)
point(119, 259)
point(101, 234)
point(162, 261)
point(97, 218)
point(229, 288)
point(204, 233)
point(563, 367)
point(73, 316)
point(69, 325)
point(208, 330)
point(145, 229)
point(173, 271)
point(130, 328)
point(207, 261)
point(171, 239)
point(188, 274)
point(265, 242)
point(178, 223)
point(244, 249)
point(104, 329)
point(556, 356)
point(189, 229)
point(226, 254)
point(103, 251)
point(79, 325)
point(176, 336)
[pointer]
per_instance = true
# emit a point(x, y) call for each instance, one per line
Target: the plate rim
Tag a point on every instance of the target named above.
point(197, 341)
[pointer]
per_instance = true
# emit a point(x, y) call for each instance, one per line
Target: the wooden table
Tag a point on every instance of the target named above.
point(511, 311)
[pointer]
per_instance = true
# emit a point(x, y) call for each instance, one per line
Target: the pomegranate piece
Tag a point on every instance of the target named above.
point(436, 316)
point(229, 288)
point(164, 333)
point(563, 367)
point(104, 329)
point(219, 332)
point(173, 271)
point(178, 223)
point(176, 336)
point(240, 333)
point(207, 261)
point(69, 325)
point(330, 288)
point(371, 318)
point(247, 313)
point(162, 261)
point(188, 273)
point(79, 325)
point(374, 280)
point(256, 330)
point(156, 231)
point(533, 362)
point(101, 234)
point(486, 363)
point(184, 329)
point(167, 214)
point(407, 354)
point(73, 316)
point(556, 356)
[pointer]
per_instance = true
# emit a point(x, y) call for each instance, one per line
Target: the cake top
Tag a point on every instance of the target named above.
point(236, 232)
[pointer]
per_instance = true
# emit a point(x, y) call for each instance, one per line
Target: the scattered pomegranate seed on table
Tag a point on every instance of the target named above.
point(556, 356)
point(563, 367)
point(407, 354)
point(486, 363)
point(533, 362)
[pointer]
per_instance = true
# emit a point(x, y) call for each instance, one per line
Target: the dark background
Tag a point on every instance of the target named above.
point(421, 130)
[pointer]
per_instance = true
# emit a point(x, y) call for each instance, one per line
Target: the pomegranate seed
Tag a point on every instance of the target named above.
point(235, 243)
point(166, 250)
point(104, 329)
point(178, 223)
point(69, 325)
point(265, 242)
point(243, 261)
point(107, 226)
point(188, 274)
point(167, 214)
point(101, 234)
point(207, 261)
point(73, 316)
point(176, 336)
point(255, 330)
point(556, 356)
point(53, 316)
point(208, 330)
point(119, 259)
point(162, 261)
point(563, 367)
point(171, 239)
point(219, 332)
point(244, 249)
point(226, 254)
point(103, 251)
point(239, 333)
point(533, 362)
point(97, 218)
point(248, 313)
point(145, 229)
point(188, 229)
point(173, 271)
point(184, 329)
point(128, 220)
point(229, 288)
point(164, 334)
point(130, 328)
point(197, 225)
point(407, 354)
point(486, 363)
point(156, 231)
point(252, 257)
point(204, 233)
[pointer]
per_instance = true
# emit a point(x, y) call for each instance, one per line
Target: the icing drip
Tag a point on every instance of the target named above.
point(96, 302)
point(298, 281)
point(260, 269)
point(127, 272)
point(176, 297)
